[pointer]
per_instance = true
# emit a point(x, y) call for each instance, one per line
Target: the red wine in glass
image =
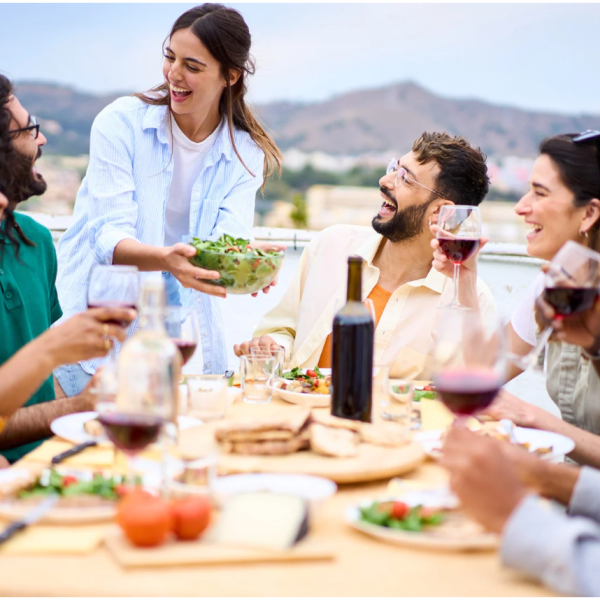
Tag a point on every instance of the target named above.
point(567, 301)
point(130, 432)
point(458, 250)
point(186, 348)
point(466, 391)
point(113, 304)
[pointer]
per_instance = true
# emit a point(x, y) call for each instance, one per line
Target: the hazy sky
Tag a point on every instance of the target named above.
point(539, 56)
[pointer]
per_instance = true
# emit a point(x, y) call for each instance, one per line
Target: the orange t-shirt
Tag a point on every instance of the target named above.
point(380, 298)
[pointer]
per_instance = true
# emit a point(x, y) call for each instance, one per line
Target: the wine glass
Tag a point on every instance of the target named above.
point(571, 286)
point(183, 327)
point(469, 359)
point(113, 286)
point(459, 235)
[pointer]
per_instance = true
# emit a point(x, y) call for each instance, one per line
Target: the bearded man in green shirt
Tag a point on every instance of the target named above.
point(28, 299)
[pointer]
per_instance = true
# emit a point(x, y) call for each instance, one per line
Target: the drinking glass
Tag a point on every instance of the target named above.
point(469, 359)
point(571, 287)
point(207, 396)
point(113, 286)
point(183, 327)
point(278, 353)
point(459, 235)
point(398, 403)
point(257, 378)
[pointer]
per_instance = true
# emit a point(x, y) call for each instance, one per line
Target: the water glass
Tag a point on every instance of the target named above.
point(398, 405)
point(257, 378)
point(207, 396)
point(278, 353)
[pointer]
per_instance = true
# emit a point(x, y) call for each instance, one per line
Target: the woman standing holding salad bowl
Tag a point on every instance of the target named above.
point(181, 161)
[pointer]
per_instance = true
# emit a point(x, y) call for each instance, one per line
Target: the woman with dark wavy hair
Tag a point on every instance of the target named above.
point(182, 160)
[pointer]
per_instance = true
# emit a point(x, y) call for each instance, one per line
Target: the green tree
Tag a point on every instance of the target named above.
point(299, 214)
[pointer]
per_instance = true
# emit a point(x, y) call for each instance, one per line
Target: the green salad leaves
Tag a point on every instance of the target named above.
point(244, 270)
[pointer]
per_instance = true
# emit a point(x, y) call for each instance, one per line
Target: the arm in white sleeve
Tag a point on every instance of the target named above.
point(112, 210)
point(562, 551)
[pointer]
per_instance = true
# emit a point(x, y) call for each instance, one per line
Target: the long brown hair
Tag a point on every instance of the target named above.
point(226, 36)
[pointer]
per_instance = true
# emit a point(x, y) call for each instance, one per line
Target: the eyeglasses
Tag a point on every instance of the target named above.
point(402, 176)
point(34, 128)
point(587, 136)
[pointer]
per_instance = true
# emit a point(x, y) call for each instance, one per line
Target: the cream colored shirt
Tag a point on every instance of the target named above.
point(303, 318)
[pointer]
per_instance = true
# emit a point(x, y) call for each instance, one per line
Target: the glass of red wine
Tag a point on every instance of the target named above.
point(459, 236)
point(183, 327)
point(113, 286)
point(469, 359)
point(571, 287)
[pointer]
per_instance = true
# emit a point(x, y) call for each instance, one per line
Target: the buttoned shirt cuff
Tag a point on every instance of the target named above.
point(106, 243)
point(584, 501)
point(543, 542)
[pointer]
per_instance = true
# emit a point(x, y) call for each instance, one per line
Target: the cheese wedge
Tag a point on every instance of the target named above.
point(263, 520)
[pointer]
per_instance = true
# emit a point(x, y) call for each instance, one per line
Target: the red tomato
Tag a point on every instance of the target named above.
point(145, 520)
point(190, 517)
point(68, 480)
point(310, 373)
point(429, 388)
point(400, 510)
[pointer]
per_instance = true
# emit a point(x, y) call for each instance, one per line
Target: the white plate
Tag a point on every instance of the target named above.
point(305, 400)
point(537, 438)
point(434, 539)
point(70, 427)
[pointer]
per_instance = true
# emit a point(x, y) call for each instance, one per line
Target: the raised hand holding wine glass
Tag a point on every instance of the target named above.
point(459, 236)
point(572, 283)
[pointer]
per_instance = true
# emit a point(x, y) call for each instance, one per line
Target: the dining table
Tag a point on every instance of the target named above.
point(359, 566)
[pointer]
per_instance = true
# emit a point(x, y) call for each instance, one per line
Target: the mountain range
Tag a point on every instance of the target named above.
point(355, 123)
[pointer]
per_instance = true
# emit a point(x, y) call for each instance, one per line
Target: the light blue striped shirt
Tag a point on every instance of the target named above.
point(124, 194)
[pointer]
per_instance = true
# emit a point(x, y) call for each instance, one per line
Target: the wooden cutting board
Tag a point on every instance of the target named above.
point(206, 552)
point(371, 464)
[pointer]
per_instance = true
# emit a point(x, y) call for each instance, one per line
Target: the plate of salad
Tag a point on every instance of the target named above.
point(310, 388)
point(84, 496)
point(422, 525)
point(243, 269)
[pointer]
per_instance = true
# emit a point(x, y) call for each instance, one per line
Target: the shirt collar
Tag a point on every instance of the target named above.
point(156, 118)
point(434, 280)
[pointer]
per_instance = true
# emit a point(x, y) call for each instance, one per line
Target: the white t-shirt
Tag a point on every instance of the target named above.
point(188, 160)
point(523, 320)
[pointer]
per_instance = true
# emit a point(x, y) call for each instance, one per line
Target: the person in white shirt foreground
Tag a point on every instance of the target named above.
point(397, 274)
point(183, 160)
point(503, 487)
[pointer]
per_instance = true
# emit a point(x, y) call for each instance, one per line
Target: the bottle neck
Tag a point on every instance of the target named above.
point(152, 307)
point(354, 279)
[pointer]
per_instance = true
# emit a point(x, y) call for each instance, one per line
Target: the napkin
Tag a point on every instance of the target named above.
point(50, 539)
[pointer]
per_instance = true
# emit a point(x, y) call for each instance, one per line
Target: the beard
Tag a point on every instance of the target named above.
point(405, 224)
point(29, 182)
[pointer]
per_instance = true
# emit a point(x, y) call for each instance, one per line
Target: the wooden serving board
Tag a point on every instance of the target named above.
point(206, 552)
point(371, 464)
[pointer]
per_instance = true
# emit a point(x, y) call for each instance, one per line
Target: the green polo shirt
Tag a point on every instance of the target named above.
point(28, 303)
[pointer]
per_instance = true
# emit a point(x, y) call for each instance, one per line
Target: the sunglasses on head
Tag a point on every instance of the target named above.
point(588, 136)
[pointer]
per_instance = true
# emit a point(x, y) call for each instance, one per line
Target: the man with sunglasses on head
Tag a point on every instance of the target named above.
point(29, 349)
point(397, 275)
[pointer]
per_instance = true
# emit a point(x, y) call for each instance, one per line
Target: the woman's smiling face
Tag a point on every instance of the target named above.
point(549, 210)
point(192, 73)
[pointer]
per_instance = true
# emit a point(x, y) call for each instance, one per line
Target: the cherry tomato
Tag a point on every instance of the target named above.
point(190, 517)
point(310, 373)
point(429, 388)
point(145, 520)
point(68, 480)
point(400, 510)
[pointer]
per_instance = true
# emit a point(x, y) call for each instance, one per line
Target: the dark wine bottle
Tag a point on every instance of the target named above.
point(352, 362)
